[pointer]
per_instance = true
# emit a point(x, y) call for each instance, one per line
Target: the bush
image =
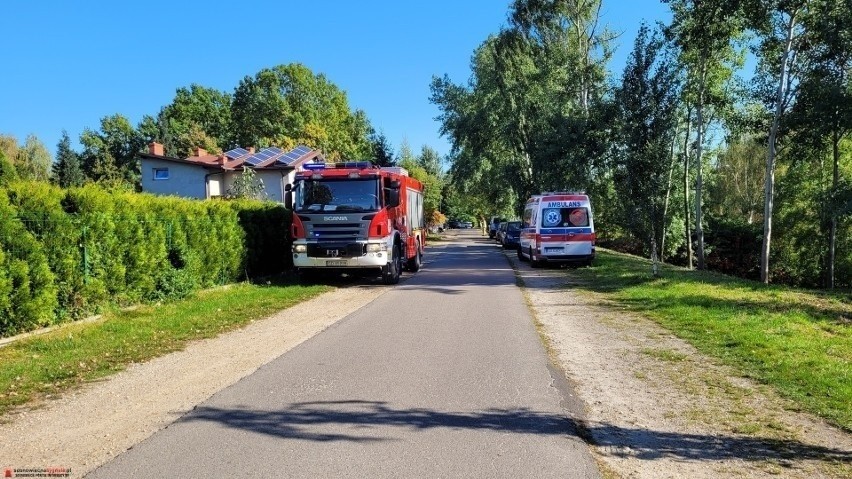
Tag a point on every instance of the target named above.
point(27, 289)
point(67, 253)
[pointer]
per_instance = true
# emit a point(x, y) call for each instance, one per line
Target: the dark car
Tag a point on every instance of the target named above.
point(454, 224)
point(510, 237)
point(493, 225)
point(501, 230)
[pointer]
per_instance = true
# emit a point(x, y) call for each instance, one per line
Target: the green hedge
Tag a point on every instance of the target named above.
point(65, 254)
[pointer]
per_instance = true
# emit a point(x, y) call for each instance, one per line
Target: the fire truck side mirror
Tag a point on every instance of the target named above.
point(393, 197)
point(288, 196)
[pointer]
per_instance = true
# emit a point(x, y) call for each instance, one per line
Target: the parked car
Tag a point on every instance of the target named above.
point(493, 225)
point(511, 237)
point(454, 224)
point(467, 224)
point(501, 230)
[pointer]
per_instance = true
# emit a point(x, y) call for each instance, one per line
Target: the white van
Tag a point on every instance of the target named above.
point(557, 228)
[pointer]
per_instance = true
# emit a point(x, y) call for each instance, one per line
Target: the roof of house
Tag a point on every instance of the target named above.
point(271, 158)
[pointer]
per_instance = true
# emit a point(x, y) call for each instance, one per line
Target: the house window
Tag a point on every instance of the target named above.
point(161, 174)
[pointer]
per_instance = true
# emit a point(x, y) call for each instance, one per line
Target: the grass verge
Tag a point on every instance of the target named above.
point(799, 342)
point(44, 366)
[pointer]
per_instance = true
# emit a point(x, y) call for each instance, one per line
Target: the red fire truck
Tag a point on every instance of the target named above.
point(356, 218)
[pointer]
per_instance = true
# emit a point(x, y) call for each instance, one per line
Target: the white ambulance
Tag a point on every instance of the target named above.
point(557, 228)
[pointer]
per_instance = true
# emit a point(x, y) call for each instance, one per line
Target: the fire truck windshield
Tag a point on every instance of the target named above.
point(345, 194)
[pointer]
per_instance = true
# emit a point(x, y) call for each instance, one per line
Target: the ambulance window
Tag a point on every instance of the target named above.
point(565, 217)
point(551, 217)
point(528, 217)
point(578, 217)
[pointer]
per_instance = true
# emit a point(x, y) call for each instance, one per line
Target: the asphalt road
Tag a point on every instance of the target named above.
point(444, 376)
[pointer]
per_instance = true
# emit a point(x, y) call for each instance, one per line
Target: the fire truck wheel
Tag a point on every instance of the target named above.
point(416, 262)
point(390, 271)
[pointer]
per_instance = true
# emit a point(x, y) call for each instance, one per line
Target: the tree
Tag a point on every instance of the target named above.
point(647, 117)
point(382, 150)
point(779, 26)
point(738, 189)
point(33, 160)
point(247, 185)
point(9, 147)
point(704, 31)
point(430, 160)
point(406, 156)
point(823, 111)
point(289, 105)
point(198, 117)
point(66, 169)
point(8, 173)
point(111, 154)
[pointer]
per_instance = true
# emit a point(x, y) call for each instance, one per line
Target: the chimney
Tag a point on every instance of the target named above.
point(250, 149)
point(200, 151)
point(155, 148)
point(222, 160)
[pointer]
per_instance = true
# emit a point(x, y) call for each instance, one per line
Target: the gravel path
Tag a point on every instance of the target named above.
point(654, 406)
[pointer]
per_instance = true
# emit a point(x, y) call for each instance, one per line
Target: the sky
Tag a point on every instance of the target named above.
point(69, 64)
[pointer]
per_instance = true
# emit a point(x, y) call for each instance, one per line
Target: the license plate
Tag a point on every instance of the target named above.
point(552, 250)
point(336, 263)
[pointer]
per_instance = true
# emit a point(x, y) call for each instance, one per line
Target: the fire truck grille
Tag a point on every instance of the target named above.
point(341, 231)
point(336, 250)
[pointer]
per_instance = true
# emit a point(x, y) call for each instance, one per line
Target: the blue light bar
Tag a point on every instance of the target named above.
point(314, 166)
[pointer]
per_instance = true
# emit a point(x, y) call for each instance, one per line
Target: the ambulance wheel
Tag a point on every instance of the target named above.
point(390, 271)
point(416, 262)
point(534, 262)
point(521, 254)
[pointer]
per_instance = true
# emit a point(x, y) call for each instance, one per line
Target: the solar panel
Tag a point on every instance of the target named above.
point(294, 154)
point(236, 153)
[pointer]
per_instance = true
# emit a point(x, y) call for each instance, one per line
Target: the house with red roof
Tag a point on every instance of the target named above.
point(206, 175)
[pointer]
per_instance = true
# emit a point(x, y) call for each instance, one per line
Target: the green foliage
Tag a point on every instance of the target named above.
point(430, 160)
point(9, 147)
point(197, 117)
point(647, 117)
point(267, 237)
point(27, 290)
point(288, 105)
point(110, 155)
point(67, 171)
point(67, 253)
point(8, 172)
point(248, 186)
point(738, 189)
point(382, 150)
point(33, 160)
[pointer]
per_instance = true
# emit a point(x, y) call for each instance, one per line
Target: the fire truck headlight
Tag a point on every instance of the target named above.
point(376, 247)
point(300, 248)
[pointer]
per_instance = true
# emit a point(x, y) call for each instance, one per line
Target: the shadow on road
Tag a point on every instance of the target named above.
point(304, 421)
point(296, 421)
